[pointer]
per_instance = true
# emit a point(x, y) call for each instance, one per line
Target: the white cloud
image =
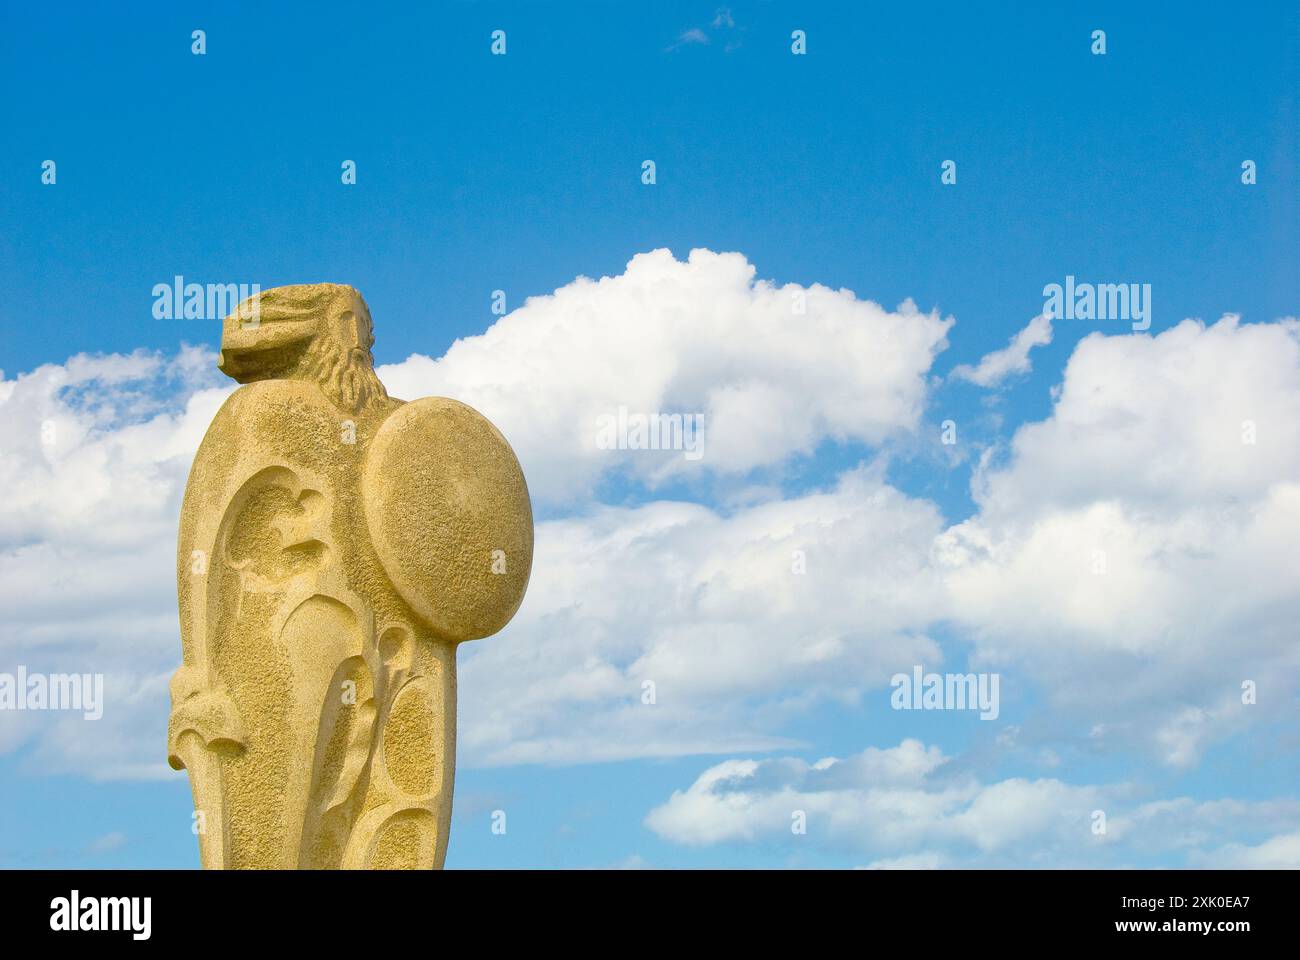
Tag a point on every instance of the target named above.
point(95, 455)
point(1141, 459)
point(703, 602)
point(1277, 853)
point(722, 23)
point(1012, 359)
point(1159, 422)
point(706, 606)
point(669, 591)
point(107, 843)
point(694, 336)
point(911, 808)
point(886, 801)
point(929, 860)
point(1133, 552)
point(633, 862)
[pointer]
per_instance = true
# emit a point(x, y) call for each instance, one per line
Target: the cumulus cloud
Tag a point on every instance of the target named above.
point(775, 370)
point(1012, 359)
point(745, 613)
point(912, 807)
point(712, 610)
point(96, 452)
point(1132, 551)
point(888, 801)
point(1139, 616)
point(1196, 415)
point(98, 449)
point(1277, 853)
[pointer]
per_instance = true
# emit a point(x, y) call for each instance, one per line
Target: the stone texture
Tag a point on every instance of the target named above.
point(335, 546)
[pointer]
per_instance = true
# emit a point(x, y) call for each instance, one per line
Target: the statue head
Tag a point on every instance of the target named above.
point(319, 332)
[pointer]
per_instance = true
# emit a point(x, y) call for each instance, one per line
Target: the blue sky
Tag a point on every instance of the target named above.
point(522, 172)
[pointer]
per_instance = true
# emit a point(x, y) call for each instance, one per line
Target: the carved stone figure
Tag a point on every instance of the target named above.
point(335, 546)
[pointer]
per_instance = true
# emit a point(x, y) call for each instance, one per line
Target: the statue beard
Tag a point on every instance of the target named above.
point(345, 374)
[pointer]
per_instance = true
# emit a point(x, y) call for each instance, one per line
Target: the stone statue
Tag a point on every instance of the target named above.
point(335, 546)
